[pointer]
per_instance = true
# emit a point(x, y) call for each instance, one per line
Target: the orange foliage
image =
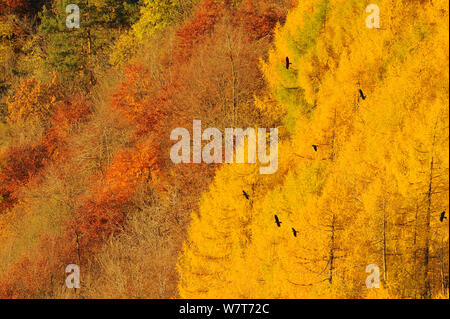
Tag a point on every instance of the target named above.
point(34, 273)
point(104, 212)
point(16, 6)
point(153, 110)
point(202, 24)
point(260, 17)
point(35, 101)
point(135, 100)
point(66, 114)
point(21, 163)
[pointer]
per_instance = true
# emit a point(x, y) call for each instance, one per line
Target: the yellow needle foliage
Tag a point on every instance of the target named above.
point(374, 190)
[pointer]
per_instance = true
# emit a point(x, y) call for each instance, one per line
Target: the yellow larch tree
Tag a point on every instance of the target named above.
point(366, 111)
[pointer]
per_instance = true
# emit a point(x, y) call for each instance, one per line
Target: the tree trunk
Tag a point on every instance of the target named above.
point(426, 294)
point(385, 269)
point(415, 251)
point(233, 81)
point(331, 261)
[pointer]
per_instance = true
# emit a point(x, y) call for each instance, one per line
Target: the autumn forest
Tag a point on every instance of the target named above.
point(362, 181)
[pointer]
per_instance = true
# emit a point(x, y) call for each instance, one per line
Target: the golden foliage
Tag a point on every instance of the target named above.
point(373, 191)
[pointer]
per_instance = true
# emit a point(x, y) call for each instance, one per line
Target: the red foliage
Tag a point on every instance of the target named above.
point(37, 272)
point(20, 165)
point(136, 100)
point(24, 162)
point(153, 110)
point(202, 24)
point(14, 6)
point(104, 212)
point(66, 114)
point(260, 17)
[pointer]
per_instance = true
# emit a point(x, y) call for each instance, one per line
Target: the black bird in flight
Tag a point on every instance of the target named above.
point(245, 195)
point(443, 216)
point(362, 94)
point(295, 232)
point(288, 63)
point(277, 221)
point(316, 147)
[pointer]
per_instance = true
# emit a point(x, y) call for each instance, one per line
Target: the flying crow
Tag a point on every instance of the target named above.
point(362, 94)
point(277, 221)
point(288, 63)
point(443, 216)
point(316, 147)
point(295, 232)
point(245, 195)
